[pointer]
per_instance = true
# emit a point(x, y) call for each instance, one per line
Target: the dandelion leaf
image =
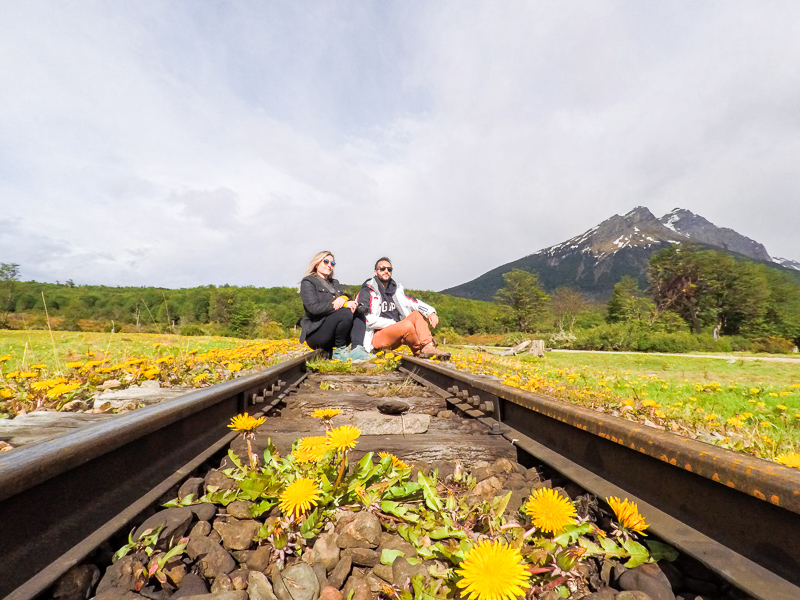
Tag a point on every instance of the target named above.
point(660, 550)
point(388, 556)
point(638, 553)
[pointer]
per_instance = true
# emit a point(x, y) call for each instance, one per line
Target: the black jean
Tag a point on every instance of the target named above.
point(358, 331)
point(334, 331)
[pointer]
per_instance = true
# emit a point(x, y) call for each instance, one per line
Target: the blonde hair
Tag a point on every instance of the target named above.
point(312, 266)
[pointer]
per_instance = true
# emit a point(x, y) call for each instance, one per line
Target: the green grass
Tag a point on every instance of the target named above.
point(43, 371)
point(750, 406)
point(26, 348)
point(678, 368)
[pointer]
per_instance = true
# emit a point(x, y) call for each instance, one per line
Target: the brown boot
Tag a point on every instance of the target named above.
point(431, 351)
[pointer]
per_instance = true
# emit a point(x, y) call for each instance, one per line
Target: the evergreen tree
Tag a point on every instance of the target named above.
point(524, 297)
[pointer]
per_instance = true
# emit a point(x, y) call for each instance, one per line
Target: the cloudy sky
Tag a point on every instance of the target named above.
point(182, 143)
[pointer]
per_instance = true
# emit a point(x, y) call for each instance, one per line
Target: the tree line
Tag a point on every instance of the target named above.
point(214, 310)
point(691, 290)
point(692, 293)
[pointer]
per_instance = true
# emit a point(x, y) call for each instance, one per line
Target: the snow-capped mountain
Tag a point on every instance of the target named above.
point(786, 262)
point(597, 259)
point(702, 231)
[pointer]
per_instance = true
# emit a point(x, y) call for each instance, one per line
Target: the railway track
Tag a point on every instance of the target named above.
point(62, 499)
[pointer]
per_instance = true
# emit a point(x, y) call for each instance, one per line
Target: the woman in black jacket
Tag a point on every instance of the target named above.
point(329, 313)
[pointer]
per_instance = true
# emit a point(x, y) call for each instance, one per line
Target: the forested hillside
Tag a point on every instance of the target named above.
point(227, 310)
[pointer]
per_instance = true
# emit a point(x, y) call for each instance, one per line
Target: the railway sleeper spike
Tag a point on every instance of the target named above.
point(453, 389)
point(464, 394)
point(474, 400)
point(487, 407)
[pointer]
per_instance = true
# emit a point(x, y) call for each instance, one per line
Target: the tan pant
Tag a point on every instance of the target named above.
point(413, 331)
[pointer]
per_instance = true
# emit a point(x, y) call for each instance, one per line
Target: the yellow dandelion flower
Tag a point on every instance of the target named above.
point(493, 571)
point(785, 393)
point(649, 403)
point(326, 413)
point(311, 449)
point(63, 388)
point(792, 459)
point(781, 407)
point(396, 462)
point(5, 358)
point(299, 496)
point(6, 394)
point(773, 394)
point(627, 514)
point(234, 367)
point(151, 373)
point(38, 367)
point(45, 384)
point(29, 374)
point(245, 422)
point(754, 390)
point(201, 377)
point(343, 437)
point(710, 417)
point(549, 510)
point(736, 421)
point(12, 374)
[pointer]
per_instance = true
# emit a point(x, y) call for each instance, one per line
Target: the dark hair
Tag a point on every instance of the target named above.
point(380, 260)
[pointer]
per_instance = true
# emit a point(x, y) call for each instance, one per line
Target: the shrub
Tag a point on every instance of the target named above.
point(512, 339)
point(192, 329)
point(448, 335)
point(739, 343)
point(773, 345)
point(270, 331)
point(658, 341)
point(561, 339)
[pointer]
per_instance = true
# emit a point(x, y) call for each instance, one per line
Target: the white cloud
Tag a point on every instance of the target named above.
point(182, 144)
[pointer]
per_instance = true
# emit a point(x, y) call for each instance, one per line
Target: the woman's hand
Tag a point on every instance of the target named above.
point(339, 302)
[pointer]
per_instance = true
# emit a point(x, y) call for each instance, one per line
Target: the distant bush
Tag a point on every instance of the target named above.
point(270, 331)
point(448, 335)
point(560, 339)
point(635, 337)
point(659, 341)
point(192, 329)
point(773, 345)
point(512, 339)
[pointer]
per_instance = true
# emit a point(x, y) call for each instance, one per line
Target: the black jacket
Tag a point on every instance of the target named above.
point(317, 302)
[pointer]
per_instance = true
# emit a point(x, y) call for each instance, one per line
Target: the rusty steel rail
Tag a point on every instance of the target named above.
point(737, 514)
point(62, 498)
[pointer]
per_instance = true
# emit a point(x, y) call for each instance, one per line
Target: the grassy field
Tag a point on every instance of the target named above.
point(25, 348)
point(43, 370)
point(750, 406)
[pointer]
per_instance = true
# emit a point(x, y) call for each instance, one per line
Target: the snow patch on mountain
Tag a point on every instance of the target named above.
point(787, 262)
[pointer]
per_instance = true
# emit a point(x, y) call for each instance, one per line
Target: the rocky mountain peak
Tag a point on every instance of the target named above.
point(703, 231)
point(622, 245)
point(638, 227)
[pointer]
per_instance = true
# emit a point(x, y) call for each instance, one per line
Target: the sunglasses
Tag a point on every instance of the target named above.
point(385, 269)
point(329, 262)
